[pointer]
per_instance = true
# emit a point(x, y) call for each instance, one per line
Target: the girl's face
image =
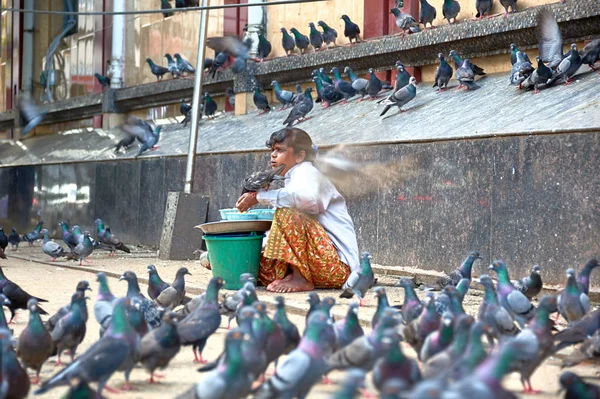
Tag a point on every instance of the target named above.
point(281, 154)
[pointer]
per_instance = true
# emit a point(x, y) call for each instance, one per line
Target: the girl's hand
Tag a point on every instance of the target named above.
point(246, 201)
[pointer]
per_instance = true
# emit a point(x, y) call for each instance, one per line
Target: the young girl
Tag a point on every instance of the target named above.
point(312, 243)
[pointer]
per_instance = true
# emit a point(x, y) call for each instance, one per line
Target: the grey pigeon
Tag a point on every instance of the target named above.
point(382, 305)
point(578, 331)
point(498, 319)
point(302, 41)
point(352, 385)
point(539, 78)
point(458, 62)
point(313, 302)
point(573, 304)
point(260, 101)
point(155, 284)
point(512, 4)
point(351, 30)
point(427, 14)
point(34, 235)
point(576, 387)
point(34, 346)
point(348, 329)
point(521, 70)
point(14, 381)
point(316, 37)
point(157, 70)
point(465, 76)
point(151, 312)
point(172, 296)
point(513, 54)
point(401, 97)
point(230, 304)
point(159, 346)
point(298, 95)
point(105, 301)
point(395, 365)
point(483, 7)
point(463, 271)
point(285, 97)
point(301, 109)
point(588, 350)
point(199, 325)
point(287, 42)
point(359, 282)
point(172, 66)
point(443, 73)
point(450, 10)
point(290, 329)
point(30, 115)
point(415, 332)
point(51, 248)
point(183, 65)
point(438, 340)
point(269, 335)
point(473, 354)
point(532, 285)
point(70, 330)
point(329, 34)
point(83, 249)
point(375, 85)
point(358, 84)
point(108, 240)
point(14, 239)
point(590, 54)
point(234, 47)
point(405, 22)
point(440, 363)
point(517, 304)
point(261, 179)
point(583, 277)
point(82, 287)
point(550, 44)
point(412, 306)
point(341, 86)
point(402, 76)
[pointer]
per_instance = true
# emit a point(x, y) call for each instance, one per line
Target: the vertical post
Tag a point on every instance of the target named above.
point(118, 33)
point(28, 29)
point(191, 158)
point(255, 24)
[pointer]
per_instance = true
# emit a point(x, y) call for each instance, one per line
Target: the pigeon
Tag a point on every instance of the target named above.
point(4, 301)
point(152, 314)
point(538, 78)
point(583, 277)
point(299, 95)
point(578, 331)
point(151, 142)
point(165, 5)
point(463, 287)
point(82, 250)
point(159, 346)
point(199, 325)
point(172, 296)
point(590, 54)
point(316, 37)
point(568, 66)
point(550, 44)
point(573, 304)
point(498, 319)
point(287, 42)
point(513, 54)
point(576, 387)
point(183, 66)
point(313, 302)
point(404, 22)
point(103, 308)
point(454, 304)
point(382, 305)
point(290, 329)
point(2, 254)
point(483, 7)
point(261, 179)
point(260, 101)
point(230, 94)
point(102, 359)
point(463, 271)
point(264, 47)
point(359, 282)
point(358, 84)
point(343, 87)
point(157, 70)
point(70, 329)
point(232, 303)
point(324, 77)
point(234, 47)
point(395, 365)
point(375, 85)
point(218, 63)
point(412, 306)
point(439, 364)
point(81, 390)
point(82, 287)
point(17, 296)
point(401, 97)
point(249, 297)
point(34, 235)
point(415, 332)
point(402, 76)
point(109, 240)
point(231, 379)
point(517, 304)
point(134, 129)
point(427, 14)
point(303, 367)
point(30, 115)
point(348, 329)
point(103, 80)
point(301, 109)
point(512, 4)
point(285, 98)
point(530, 286)
point(438, 340)
point(351, 30)
point(521, 70)
point(458, 62)
point(34, 346)
point(14, 381)
point(14, 239)
point(465, 76)
point(210, 107)
point(450, 10)
point(269, 335)
point(155, 284)
point(51, 248)
point(352, 385)
point(302, 41)
point(443, 73)
point(588, 350)
point(472, 355)
point(327, 92)
point(329, 34)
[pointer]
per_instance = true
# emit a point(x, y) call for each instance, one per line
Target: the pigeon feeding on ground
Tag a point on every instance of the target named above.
point(539, 77)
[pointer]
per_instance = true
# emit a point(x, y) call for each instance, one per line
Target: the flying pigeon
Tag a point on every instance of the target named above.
point(30, 115)
point(358, 283)
point(262, 179)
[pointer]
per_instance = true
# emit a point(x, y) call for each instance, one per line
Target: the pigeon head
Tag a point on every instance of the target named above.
point(371, 71)
point(280, 301)
point(513, 47)
point(219, 282)
point(345, 18)
point(398, 63)
point(247, 313)
point(441, 56)
point(335, 70)
point(247, 277)
point(177, 56)
point(379, 292)
point(450, 290)
point(101, 277)
point(283, 30)
point(4, 301)
point(98, 221)
point(151, 269)
point(486, 280)
point(497, 265)
point(294, 30)
point(168, 57)
point(43, 231)
point(311, 25)
point(405, 282)
point(83, 286)
point(261, 308)
point(353, 307)
point(313, 298)
point(149, 61)
point(32, 305)
point(347, 69)
point(78, 297)
point(400, 68)
point(549, 302)
point(412, 81)
point(128, 276)
point(568, 379)
point(570, 273)
point(389, 318)
point(14, 229)
point(447, 319)
point(328, 302)
point(536, 269)
point(274, 83)
point(183, 271)
point(475, 255)
point(574, 47)
point(2, 229)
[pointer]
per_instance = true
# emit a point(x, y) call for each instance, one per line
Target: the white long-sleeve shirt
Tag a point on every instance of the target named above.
point(307, 190)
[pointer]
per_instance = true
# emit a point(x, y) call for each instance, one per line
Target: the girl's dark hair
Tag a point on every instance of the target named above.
point(298, 139)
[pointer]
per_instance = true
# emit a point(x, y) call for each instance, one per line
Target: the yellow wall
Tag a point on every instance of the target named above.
point(299, 15)
point(468, 10)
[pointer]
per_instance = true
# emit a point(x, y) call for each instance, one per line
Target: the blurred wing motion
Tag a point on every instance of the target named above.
point(354, 179)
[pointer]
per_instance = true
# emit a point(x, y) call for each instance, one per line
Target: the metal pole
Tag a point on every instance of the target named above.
point(118, 37)
point(191, 158)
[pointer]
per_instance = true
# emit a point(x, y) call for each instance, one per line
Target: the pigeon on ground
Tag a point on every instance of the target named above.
point(34, 235)
point(17, 296)
point(439, 364)
point(583, 277)
point(438, 340)
point(405, 22)
point(358, 84)
point(588, 350)
point(302, 41)
point(70, 329)
point(199, 325)
point(402, 76)
point(249, 297)
point(401, 97)
point(513, 54)
point(287, 42)
point(4, 301)
point(463, 287)
point(521, 70)
point(351, 30)
point(443, 73)
point(165, 5)
point(455, 304)
point(230, 304)
point(415, 332)
point(375, 85)
point(103, 80)
point(157, 70)
point(395, 365)
point(342, 86)
point(450, 10)
point(483, 7)
point(465, 76)
point(103, 308)
point(285, 98)
point(517, 304)
point(498, 319)
point(463, 271)
point(313, 303)
point(303, 367)
point(573, 304)
point(230, 94)
point(290, 329)
point(51, 248)
point(269, 335)
point(512, 4)
point(34, 346)
point(352, 385)
point(151, 143)
point(172, 296)
point(382, 305)
point(82, 250)
point(578, 331)
point(301, 109)
point(260, 101)
point(264, 47)
point(329, 34)
point(261, 179)
point(590, 54)
point(14, 381)
point(136, 128)
point(102, 359)
point(324, 77)
point(183, 66)
point(155, 284)
point(427, 14)
point(412, 306)
point(159, 346)
point(473, 354)
point(152, 314)
point(348, 329)
point(109, 240)
point(82, 287)
point(576, 387)
point(327, 92)
point(358, 283)
point(530, 286)
point(210, 106)
point(14, 239)
point(458, 62)
point(299, 95)
point(316, 37)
